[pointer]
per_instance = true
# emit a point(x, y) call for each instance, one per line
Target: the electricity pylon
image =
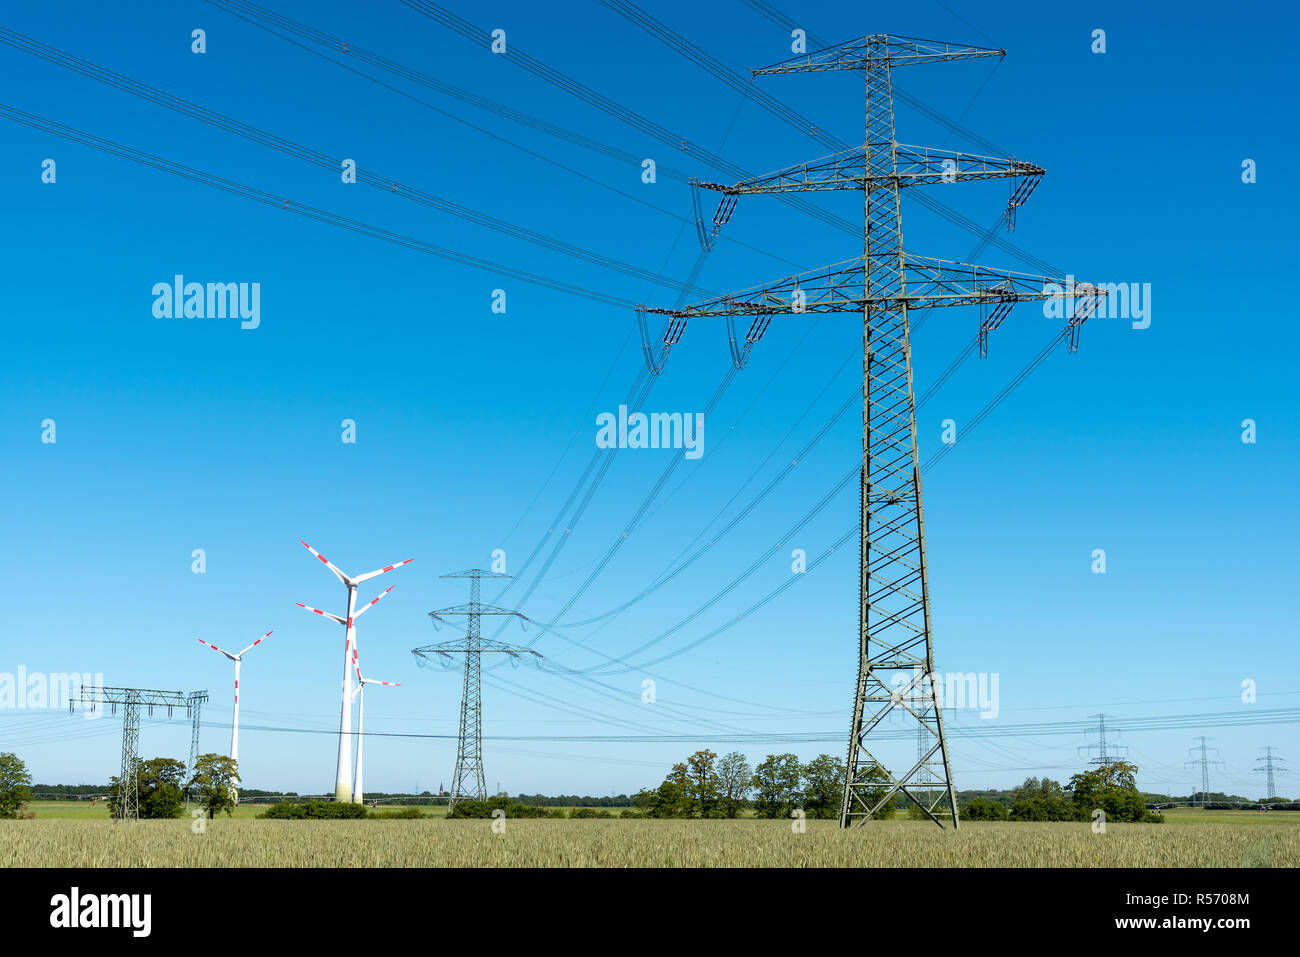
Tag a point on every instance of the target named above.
point(1268, 768)
point(468, 781)
point(1107, 751)
point(1204, 761)
point(194, 703)
point(884, 285)
point(127, 805)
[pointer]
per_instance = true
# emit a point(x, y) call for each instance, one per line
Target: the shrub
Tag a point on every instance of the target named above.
point(980, 809)
point(404, 814)
point(584, 812)
point(314, 810)
point(473, 809)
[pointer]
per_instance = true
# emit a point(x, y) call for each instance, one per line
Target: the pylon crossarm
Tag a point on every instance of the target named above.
point(477, 610)
point(878, 50)
point(484, 645)
point(929, 282)
point(917, 165)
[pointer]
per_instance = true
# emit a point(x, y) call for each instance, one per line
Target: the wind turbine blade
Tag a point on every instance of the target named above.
point(328, 564)
point(387, 568)
point(341, 621)
point(389, 684)
point(253, 645)
point(370, 604)
point(215, 648)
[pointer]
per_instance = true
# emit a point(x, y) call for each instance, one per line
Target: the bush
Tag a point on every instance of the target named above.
point(585, 812)
point(980, 809)
point(314, 810)
point(404, 814)
point(474, 809)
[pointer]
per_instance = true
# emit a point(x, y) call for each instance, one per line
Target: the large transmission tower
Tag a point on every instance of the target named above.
point(1204, 761)
point(884, 285)
point(127, 805)
point(1108, 752)
point(1268, 767)
point(468, 780)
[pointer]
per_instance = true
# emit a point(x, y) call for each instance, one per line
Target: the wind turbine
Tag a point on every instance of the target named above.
point(234, 724)
point(361, 719)
point(343, 775)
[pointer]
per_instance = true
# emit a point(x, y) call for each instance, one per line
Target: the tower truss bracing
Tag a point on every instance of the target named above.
point(468, 780)
point(884, 286)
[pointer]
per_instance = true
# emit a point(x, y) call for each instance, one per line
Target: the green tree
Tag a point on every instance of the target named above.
point(823, 786)
point(980, 809)
point(215, 779)
point(1036, 788)
point(735, 779)
point(1112, 788)
point(15, 784)
point(702, 783)
point(159, 783)
point(776, 785)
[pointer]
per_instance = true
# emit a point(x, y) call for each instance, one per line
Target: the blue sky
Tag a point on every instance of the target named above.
point(474, 427)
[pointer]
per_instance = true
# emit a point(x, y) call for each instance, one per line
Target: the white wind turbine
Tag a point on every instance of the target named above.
point(360, 693)
point(234, 725)
point(343, 775)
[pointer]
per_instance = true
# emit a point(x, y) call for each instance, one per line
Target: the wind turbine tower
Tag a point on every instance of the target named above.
point(358, 793)
point(236, 658)
point(343, 770)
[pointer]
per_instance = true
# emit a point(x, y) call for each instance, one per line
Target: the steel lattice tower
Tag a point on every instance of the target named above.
point(1268, 769)
point(194, 702)
point(1107, 751)
point(468, 780)
point(895, 647)
point(1204, 761)
point(896, 658)
point(127, 806)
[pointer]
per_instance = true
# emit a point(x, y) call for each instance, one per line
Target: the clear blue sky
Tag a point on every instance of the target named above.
point(174, 435)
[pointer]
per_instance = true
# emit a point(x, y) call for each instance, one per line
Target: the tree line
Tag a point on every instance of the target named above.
point(707, 786)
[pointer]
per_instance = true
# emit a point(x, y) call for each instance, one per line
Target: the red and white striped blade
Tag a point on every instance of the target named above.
point(215, 648)
point(328, 564)
point(387, 568)
point(372, 681)
point(370, 604)
point(341, 621)
point(254, 644)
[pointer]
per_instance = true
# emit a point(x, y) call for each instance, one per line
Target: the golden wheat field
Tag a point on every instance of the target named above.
point(616, 843)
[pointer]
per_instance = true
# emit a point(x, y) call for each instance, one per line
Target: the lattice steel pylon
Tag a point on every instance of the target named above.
point(194, 701)
point(1204, 761)
point(127, 805)
point(468, 780)
point(1268, 767)
point(896, 652)
point(1107, 751)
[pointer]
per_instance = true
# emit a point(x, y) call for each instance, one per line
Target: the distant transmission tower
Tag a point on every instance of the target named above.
point(127, 805)
point(1204, 761)
point(1271, 764)
point(1108, 752)
point(468, 781)
point(194, 704)
point(884, 285)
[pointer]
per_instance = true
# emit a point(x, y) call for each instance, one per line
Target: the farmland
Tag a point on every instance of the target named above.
point(1242, 840)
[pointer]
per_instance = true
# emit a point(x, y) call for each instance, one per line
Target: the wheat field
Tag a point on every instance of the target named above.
point(639, 843)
